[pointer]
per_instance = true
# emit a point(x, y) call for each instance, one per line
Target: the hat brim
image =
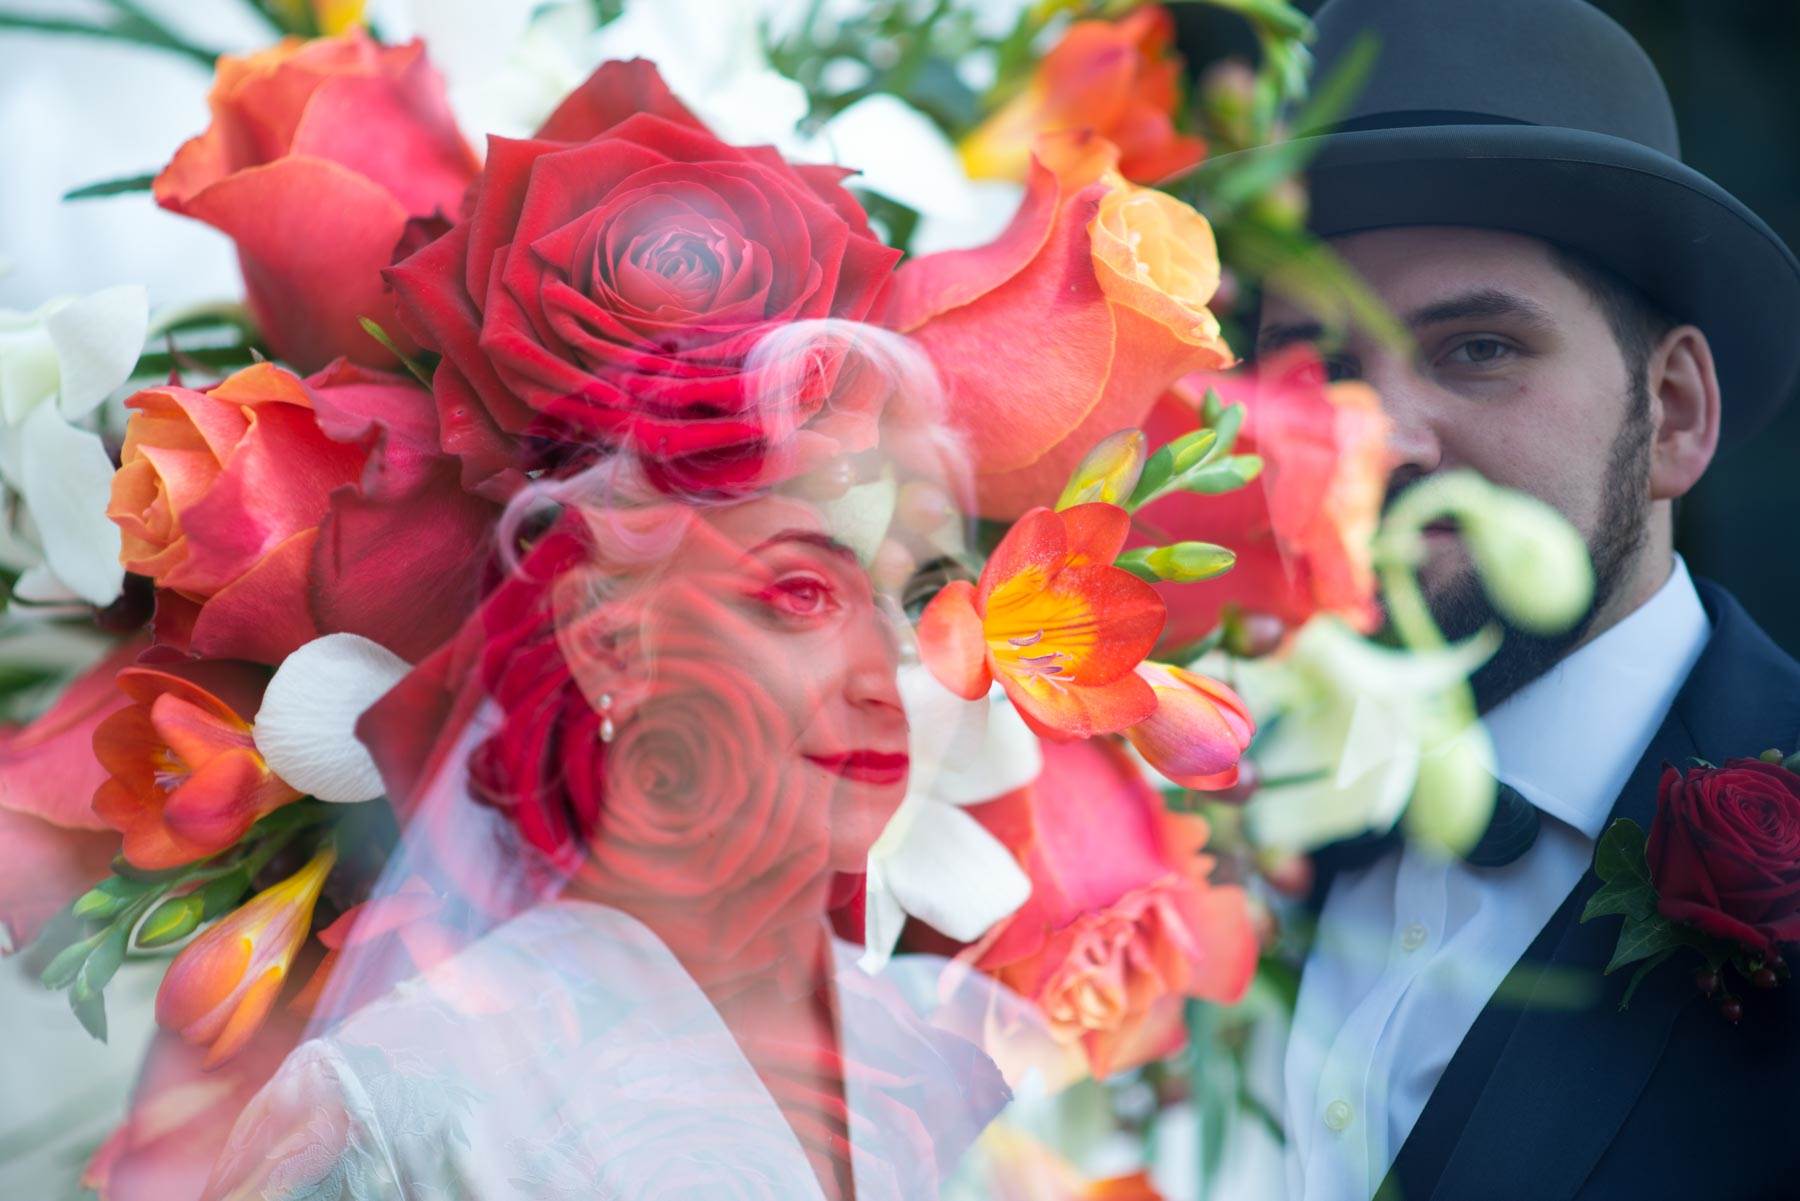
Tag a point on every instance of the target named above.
point(1692, 247)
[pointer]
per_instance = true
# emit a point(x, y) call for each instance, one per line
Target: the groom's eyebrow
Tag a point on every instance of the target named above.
point(1474, 305)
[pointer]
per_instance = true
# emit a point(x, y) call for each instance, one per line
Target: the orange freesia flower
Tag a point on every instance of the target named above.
point(221, 987)
point(1116, 78)
point(1199, 730)
point(1055, 622)
point(185, 779)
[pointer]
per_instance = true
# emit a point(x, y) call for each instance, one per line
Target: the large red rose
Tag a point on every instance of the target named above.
point(1724, 851)
point(610, 280)
point(318, 155)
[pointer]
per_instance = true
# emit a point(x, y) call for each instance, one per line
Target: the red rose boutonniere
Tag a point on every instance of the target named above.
point(1719, 873)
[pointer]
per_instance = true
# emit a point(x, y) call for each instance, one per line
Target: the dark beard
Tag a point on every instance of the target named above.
point(1461, 607)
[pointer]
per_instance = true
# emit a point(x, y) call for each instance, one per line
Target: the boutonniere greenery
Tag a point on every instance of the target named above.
point(1717, 874)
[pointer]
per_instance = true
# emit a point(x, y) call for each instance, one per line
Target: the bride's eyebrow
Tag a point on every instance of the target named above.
point(824, 542)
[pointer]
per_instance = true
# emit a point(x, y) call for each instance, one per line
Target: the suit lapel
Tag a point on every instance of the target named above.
point(1540, 1086)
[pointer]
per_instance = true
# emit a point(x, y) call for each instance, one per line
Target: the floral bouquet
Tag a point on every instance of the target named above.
point(789, 491)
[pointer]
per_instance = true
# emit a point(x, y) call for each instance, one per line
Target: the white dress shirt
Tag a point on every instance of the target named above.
point(1410, 949)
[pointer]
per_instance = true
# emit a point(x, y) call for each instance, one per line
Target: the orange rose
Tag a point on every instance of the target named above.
point(269, 510)
point(1122, 923)
point(1303, 530)
point(1116, 78)
point(184, 778)
point(1068, 327)
point(318, 155)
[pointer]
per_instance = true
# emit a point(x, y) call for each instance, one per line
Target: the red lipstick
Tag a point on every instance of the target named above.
point(865, 767)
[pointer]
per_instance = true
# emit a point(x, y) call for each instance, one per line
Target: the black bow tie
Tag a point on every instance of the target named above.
point(1509, 834)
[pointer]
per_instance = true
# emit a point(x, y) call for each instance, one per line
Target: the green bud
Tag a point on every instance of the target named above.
point(1772, 755)
point(1187, 562)
point(1190, 449)
point(1453, 796)
point(1109, 473)
point(1227, 476)
point(1533, 565)
point(171, 921)
point(1211, 406)
point(97, 905)
point(1229, 421)
point(1137, 562)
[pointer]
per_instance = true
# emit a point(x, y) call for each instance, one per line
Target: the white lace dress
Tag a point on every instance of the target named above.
point(568, 1055)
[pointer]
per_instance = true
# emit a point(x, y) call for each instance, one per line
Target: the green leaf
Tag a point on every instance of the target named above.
point(1634, 899)
point(1643, 970)
point(1332, 98)
point(1792, 762)
point(1644, 937)
point(90, 1009)
point(171, 921)
point(111, 187)
point(61, 971)
point(412, 365)
point(123, 868)
point(1620, 855)
point(221, 894)
point(104, 963)
point(1276, 16)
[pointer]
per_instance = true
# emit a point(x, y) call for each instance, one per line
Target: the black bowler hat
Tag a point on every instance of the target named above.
point(1544, 117)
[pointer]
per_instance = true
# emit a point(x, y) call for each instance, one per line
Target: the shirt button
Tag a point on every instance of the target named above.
point(1413, 937)
point(1338, 1115)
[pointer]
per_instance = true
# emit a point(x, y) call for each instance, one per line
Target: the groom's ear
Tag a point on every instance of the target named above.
point(1684, 411)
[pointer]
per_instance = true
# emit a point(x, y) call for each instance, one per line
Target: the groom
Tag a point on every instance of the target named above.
point(1591, 321)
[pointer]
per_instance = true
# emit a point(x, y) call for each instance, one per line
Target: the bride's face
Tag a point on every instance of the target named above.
point(806, 623)
point(759, 659)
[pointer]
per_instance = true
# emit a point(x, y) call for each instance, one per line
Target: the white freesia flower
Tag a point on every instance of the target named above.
point(56, 367)
point(1346, 726)
point(306, 728)
point(933, 860)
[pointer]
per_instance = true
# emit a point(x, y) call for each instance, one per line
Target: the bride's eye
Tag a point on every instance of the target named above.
point(800, 596)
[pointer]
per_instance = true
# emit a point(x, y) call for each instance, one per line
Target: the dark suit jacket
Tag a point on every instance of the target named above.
point(1553, 1098)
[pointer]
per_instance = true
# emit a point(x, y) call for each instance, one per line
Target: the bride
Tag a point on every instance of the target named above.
point(635, 785)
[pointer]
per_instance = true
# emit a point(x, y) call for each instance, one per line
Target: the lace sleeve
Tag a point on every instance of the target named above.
point(309, 1135)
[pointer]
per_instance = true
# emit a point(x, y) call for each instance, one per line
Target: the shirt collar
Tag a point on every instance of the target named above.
point(1569, 740)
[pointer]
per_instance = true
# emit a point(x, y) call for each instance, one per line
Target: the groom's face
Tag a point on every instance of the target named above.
point(1513, 371)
